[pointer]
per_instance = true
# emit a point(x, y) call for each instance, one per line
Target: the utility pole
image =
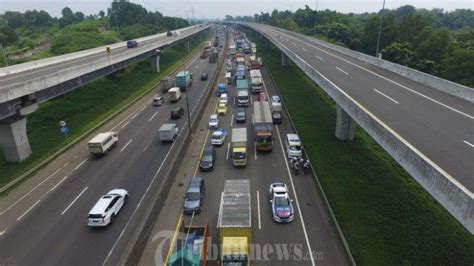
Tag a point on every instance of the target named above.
point(380, 30)
point(4, 56)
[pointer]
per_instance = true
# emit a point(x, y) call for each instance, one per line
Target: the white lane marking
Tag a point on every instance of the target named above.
point(135, 115)
point(119, 123)
point(231, 120)
point(255, 149)
point(29, 192)
point(153, 116)
point(55, 186)
point(385, 96)
point(228, 149)
point(124, 125)
point(258, 210)
point(304, 49)
point(294, 44)
point(27, 211)
point(319, 57)
point(294, 190)
point(140, 202)
point(389, 80)
point(392, 131)
point(342, 71)
point(66, 164)
point(77, 167)
point(69, 206)
point(468, 143)
point(144, 107)
point(126, 145)
point(3, 232)
point(148, 145)
point(251, 101)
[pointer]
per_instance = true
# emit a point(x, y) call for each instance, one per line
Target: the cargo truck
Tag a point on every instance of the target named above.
point(192, 250)
point(235, 222)
point(174, 94)
point(168, 132)
point(240, 72)
point(263, 125)
point(242, 84)
point(256, 80)
point(184, 79)
point(207, 45)
point(239, 146)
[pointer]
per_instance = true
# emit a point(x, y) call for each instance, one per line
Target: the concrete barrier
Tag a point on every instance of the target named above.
point(452, 195)
point(443, 85)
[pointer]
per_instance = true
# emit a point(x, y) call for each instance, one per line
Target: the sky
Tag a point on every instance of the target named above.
point(219, 8)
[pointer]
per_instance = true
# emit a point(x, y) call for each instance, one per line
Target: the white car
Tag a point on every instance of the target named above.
point(281, 203)
point(224, 98)
point(218, 137)
point(293, 145)
point(213, 121)
point(104, 211)
point(276, 103)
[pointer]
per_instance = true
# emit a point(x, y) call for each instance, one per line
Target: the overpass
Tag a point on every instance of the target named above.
point(24, 86)
point(425, 123)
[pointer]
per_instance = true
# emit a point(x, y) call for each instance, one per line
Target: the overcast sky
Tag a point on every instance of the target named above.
point(220, 8)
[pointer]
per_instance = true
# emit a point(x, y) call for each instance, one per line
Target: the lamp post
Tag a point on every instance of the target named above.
point(380, 30)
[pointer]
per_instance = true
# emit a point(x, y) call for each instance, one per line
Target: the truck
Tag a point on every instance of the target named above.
point(207, 45)
point(242, 84)
point(191, 250)
point(263, 125)
point(232, 49)
point(204, 54)
point(168, 132)
point(240, 72)
point(243, 98)
point(166, 83)
point(221, 88)
point(255, 64)
point(234, 222)
point(214, 55)
point(184, 79)
point(240, 60)
point(174, 94)
point(239, 146)
point(256, 80)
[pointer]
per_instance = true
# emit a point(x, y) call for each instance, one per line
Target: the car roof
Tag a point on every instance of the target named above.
point(293, 137)
point(102, 204)
point(214, 116)
point(177, 108)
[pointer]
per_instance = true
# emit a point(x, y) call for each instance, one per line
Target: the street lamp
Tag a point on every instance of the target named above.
point(380, 30)
point(116, 24)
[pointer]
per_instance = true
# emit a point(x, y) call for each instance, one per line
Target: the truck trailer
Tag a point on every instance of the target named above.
point(235, 222)
point(191, 250)
point(263, 125)
point(256, 80)
point(239, 146)
point(184, 79)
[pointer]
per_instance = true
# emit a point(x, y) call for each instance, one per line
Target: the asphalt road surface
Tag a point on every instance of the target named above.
point(437, 124)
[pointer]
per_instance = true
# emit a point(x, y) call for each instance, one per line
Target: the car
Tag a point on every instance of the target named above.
point(206, 163)
point(177, 112)
point(132, 44)
point(158, 100)
point(213, 121)
point(194, 195)
point(276, 103)
point(204, 76)
point(222, 109)
point(276, 117)
point(293, 145)
point(218, 137)
point(107, 207)
point(281, 203)
point(169, 34)
point(240, 116)
point(224, 98)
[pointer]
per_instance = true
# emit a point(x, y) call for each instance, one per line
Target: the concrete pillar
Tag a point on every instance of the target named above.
point(187, 46)
point(14, 140)
point(284, 60)
point(155, 63)
point(345, 126)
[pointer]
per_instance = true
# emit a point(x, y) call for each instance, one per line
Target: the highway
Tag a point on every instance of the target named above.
point(440, 126)
point(311, 234)
point(47, 224)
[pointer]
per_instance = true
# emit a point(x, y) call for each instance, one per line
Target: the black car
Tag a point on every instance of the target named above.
point(132, 44)
point(177, 112)
point(204, 76)
point(240, 116)
point(207, 159)
point(169, 34)
point(276, 117)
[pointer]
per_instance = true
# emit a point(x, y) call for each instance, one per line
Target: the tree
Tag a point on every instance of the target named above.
point(400, 53)
point(78, 17)
point(289, 24)
point(436, 47)
point(67, 18)
point(7, 35)
point(460, 66)
point(13, 19)
point(101, 14)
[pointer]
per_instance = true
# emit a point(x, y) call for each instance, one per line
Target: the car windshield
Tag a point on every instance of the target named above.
point(207, 158)
point(216, 136)
point(193, 196)
point(281, 201)
point(239, 155)
point(295, 148)
point(264, 139)
point(240, 115)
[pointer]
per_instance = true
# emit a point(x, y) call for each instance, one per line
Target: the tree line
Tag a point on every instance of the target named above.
point(433, 41)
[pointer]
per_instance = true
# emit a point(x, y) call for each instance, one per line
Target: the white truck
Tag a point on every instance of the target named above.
point(102, 143)
point(243, 98)
point(174, 94)
point(239, 146)
point(168, 132)
point(256, 80)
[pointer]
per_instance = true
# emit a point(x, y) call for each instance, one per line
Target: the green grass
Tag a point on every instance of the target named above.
point(386, 216)
point(86, 106)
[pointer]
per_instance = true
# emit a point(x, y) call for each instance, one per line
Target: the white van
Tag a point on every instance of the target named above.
point(174, 94)
point(102, 143)
point(293, 146)
point(228, 77)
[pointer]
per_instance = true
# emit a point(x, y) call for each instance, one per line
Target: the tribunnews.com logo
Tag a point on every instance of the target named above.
point(258, 252)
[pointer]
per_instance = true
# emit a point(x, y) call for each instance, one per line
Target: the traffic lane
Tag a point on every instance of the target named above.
point(325, 245)
point(422, 130)
point(327, 54)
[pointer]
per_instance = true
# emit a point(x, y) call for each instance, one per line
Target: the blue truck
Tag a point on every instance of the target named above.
point(222, 88)
point(184, 79)
point(240, 72)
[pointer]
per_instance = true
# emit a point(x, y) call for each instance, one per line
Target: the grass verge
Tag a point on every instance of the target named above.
point(86, 106)
point(386, 216)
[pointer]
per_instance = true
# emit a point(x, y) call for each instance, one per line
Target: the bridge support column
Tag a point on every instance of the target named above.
point(284, 60)
point(187, 46)
point(14, 140)
point(345, 126)
point(155, 63)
